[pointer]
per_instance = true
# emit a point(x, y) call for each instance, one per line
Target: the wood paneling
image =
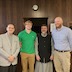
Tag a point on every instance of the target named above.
point(13, 11)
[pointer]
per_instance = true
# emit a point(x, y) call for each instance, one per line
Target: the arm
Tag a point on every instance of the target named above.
point(36, 46)
point(52, 46)
point(20, 44)
point(70, 38)
point(2, 51)
point(12, 57)
point(52, 52)
point(20, 40)
point(36, 49)
point(17, 49)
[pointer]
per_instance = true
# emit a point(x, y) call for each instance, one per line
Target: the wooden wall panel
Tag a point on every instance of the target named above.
point(13, 11)
point(1, 26)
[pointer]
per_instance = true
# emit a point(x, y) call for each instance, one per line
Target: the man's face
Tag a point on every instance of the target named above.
point(44, 29)
point(58, 22)
point(28, 26)
point(10, 29)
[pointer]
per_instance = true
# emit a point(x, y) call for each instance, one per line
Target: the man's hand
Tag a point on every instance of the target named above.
point(51, 57)
point(38, 58)
point(11, 58)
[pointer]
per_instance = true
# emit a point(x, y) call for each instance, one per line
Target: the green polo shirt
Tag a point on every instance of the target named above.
point(28, 41)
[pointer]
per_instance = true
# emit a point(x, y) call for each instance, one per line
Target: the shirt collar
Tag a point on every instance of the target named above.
point(44, 35)
point(26, 32)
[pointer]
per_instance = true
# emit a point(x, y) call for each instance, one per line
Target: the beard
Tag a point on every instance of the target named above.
point(44, 32)
point(59, 26)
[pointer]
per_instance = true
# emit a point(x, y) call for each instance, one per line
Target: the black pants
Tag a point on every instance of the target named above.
point(11, 68)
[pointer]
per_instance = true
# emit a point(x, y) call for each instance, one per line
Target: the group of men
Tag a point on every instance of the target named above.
point(47, 48)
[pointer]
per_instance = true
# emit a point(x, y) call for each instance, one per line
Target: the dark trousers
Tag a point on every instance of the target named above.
point(11, 68)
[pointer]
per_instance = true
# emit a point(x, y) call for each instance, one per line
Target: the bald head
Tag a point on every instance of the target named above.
point(58, 22)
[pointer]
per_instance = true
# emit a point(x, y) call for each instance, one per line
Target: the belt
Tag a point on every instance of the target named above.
point(62, 51)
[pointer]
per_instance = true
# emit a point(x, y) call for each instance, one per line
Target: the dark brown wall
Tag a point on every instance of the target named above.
point(12, 11)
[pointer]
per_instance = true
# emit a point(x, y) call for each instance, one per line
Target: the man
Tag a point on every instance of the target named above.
point(9, 49)
point(44, 51)
point(27, 39)
point(62, 37)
